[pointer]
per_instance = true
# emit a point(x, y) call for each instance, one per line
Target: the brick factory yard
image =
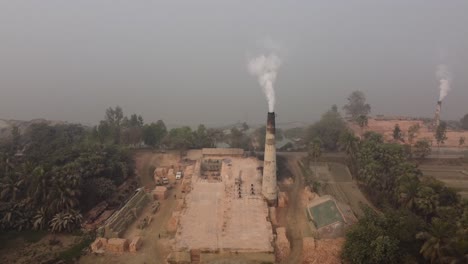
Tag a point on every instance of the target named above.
point(216, 218)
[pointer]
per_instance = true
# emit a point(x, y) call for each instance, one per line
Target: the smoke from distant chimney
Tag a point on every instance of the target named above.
point(445, 78)
point(266, 70)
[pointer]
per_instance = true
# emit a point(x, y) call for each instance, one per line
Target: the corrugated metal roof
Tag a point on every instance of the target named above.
point(222, 151)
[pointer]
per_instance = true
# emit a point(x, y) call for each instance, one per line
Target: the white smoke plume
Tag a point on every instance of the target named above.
point(266, 69)
point(445, 78)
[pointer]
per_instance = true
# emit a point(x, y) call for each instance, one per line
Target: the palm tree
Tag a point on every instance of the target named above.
point(426, 201)
point(436, 240)
point(11, 186)
point(40, 219)
point(65, 221)
point(369, 174)
point(408, 193)
point(39, 185)
point(349, 143)
point(64, 190)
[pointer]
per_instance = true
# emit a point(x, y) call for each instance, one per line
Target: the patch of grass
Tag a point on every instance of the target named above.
point(33, 236)
point(75, 251)
point(27, 235)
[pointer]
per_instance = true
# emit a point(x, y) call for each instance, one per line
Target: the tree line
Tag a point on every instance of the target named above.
point(50, 175)
point(421, 218)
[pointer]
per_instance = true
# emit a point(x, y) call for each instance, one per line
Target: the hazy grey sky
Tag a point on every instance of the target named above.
point(185, 61)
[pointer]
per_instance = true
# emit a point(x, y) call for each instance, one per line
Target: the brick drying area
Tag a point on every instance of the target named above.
point(226, 215)
point(386, 126)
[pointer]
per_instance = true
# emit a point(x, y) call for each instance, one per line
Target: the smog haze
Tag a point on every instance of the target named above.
point(185, 61)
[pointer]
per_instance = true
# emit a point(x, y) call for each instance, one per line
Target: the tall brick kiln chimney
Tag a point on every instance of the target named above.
point(437, 114)
point(269, 189)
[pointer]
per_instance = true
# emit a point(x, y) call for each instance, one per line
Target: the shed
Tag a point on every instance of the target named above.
point(222, 152)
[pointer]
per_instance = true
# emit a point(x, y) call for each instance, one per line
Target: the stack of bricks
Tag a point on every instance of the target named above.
point(99, 245)
point(135, 244)
point(117, 245)
point(160, 193)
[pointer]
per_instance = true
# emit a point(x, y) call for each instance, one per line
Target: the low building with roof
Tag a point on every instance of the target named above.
point(211, 152)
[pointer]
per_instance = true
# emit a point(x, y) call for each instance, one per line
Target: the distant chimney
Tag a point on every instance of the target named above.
point(437, 115)
point(269, 188)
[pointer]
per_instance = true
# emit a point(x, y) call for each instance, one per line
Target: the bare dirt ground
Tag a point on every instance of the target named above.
point(154, 249)
point(156, 239)
point(339, 183)
point(146, 159)
point(294, 215)
point(20, 251)
point(304, 247)
point(386, 127)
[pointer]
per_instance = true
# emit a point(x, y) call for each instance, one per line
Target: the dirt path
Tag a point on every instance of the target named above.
point(296, 219)
point(156, 241)
point(340, 185)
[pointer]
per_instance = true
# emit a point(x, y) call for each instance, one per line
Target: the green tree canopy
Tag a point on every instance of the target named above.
point(422, 148)
point(441, 133)
point(357, 105)
point(154, 133)
point(180, 138)
point(238, 139)
point(202, 139)
point(328, 130)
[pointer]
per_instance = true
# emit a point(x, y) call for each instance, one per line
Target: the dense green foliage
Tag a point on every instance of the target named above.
point(51, 175)
point(384, 238)
point(328, 130)
point(422, 148)
point(421, 218)
point(154, 133)
point(239, 139)
point(47, 186)
point(186, 138)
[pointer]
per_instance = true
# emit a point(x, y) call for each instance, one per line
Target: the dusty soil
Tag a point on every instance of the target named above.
point(21, 251)
point(304, 247)
point(156, 239)
point(146, 159)
point(323, 251)
point(294, 216)
point(154, 249)
point(386, 127)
